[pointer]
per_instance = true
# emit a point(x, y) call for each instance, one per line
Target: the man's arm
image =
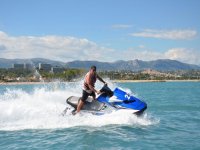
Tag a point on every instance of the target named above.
point(100, 79)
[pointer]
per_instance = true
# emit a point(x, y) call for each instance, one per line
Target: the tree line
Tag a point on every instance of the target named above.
point(28, 75)
point(70, 74)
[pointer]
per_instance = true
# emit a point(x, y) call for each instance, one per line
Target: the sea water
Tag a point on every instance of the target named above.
point(30, 118)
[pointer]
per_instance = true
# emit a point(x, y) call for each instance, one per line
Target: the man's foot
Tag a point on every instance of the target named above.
point(74, 112)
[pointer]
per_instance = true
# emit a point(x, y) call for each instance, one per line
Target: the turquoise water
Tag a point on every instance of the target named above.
point(30, 118)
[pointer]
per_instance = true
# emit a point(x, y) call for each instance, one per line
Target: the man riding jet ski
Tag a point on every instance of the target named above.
point(109, 101)
point(89, 87)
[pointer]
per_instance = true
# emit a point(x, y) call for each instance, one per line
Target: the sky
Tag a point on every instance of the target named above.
point(101, 30)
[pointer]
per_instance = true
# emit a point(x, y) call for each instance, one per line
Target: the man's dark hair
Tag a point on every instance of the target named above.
point(93, 68)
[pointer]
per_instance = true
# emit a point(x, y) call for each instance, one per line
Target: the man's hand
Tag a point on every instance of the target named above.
point(98, 92)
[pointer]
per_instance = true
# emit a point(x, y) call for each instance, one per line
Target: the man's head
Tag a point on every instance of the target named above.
point(93, 69)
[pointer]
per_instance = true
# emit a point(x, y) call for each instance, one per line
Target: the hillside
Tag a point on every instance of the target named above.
point(131, 65)
point(135, 65)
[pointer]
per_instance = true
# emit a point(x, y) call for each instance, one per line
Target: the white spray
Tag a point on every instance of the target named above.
point(42, 107)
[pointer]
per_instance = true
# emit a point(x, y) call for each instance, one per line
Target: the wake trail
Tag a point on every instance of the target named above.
point(41, 108)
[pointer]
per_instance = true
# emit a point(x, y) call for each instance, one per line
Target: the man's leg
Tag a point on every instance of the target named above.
point(80, 105)
point(93, 95)
point(81, 101)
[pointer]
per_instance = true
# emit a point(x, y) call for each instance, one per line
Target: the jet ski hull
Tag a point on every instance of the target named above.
point(90, 104)
point(110, 101)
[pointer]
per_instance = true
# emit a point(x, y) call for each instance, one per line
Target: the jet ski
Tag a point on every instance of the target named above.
point(108, 101)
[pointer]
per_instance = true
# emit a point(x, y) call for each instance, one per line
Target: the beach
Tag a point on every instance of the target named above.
point(16, 83)
point(125, 81)
point(114, 81)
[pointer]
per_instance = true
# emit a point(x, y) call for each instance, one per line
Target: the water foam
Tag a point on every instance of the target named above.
point(41, 108)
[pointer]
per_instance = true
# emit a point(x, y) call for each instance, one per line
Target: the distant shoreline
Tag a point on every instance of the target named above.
point(125, 81)
point(114, 81)
point(19, 83)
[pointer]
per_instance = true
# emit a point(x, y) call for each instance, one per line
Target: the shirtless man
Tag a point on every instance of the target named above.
point(89, 87)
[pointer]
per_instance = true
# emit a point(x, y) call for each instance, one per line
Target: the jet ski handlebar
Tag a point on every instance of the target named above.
point(106, 90)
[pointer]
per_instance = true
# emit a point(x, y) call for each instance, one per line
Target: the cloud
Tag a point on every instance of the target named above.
point(142, 54)
point(167, 34)
point(190, 56)
point(62, 48)
point(185, 55)
point(66, 48)
point(2, 47)
point(121, 26)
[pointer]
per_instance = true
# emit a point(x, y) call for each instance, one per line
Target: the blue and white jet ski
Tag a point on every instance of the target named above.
point(109, 101)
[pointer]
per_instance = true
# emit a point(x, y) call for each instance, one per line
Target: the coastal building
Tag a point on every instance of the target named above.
point(23, 66)
point(18, 66)
point(45, 67)
point(57, 69)
point(28, 66)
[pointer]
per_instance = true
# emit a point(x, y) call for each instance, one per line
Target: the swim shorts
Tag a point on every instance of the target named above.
point(85, 95)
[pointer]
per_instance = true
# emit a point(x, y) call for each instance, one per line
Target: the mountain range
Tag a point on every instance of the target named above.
point(131, 65)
